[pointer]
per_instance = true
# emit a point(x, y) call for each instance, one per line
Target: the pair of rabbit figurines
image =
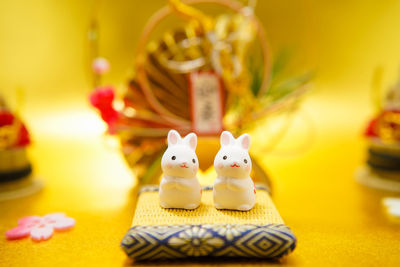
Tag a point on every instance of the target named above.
point(233, 188)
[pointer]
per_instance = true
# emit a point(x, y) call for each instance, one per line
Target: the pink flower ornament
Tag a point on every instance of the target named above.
point(100, 65)
point(40, 228)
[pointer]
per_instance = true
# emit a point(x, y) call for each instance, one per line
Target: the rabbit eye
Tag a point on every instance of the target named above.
point(193, 160)
point(224, 157)
point(245, 160)
point(173, 158)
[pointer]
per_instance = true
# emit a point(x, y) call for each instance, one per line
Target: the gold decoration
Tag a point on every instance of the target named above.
point(231, 45)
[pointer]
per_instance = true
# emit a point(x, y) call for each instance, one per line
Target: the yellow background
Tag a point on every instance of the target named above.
point(43, 50)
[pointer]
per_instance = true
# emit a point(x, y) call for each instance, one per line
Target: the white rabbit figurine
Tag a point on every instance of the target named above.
point(179, 187)
point(233, 188)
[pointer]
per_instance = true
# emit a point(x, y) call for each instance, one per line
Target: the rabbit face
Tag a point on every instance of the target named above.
point(233, 159)
point(180, 160)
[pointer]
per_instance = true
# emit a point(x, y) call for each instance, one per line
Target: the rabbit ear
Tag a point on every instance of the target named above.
point(244, 141)
point(173, 138)
point(191, 140)
point(227, 138)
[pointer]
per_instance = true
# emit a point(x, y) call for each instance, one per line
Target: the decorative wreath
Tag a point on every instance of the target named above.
point(208, 74)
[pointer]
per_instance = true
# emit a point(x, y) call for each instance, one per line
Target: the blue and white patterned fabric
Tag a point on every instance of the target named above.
point(225, 240)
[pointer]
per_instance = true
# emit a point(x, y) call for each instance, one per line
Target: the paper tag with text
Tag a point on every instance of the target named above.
point(206, 101)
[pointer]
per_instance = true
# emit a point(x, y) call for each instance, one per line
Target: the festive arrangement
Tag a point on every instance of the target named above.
point(179, 187)
point(209, 73)
point(221, 221)
point(383, 132)
point(208, 76)
point(40, 228)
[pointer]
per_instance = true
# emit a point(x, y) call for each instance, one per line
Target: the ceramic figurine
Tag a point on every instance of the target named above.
point(179, 187)
point(233, 188)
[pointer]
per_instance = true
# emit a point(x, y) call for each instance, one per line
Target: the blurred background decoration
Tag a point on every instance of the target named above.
point(344, 40)
point(382, 168)
point(16, 179)
point(201, 66)
point(44, 49)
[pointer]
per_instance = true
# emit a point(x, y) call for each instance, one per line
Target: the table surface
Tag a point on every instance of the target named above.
point(336, 220)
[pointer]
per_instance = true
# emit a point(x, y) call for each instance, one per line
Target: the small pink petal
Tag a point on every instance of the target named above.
point(30, 220)
point(18, 232)
point(64, 224)
point(41, 233)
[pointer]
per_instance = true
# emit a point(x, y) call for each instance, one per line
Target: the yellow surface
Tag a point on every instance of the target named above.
point(337, 221)
point(149, 212)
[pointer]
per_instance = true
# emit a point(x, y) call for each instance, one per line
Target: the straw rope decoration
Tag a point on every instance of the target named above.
point(231, 50)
